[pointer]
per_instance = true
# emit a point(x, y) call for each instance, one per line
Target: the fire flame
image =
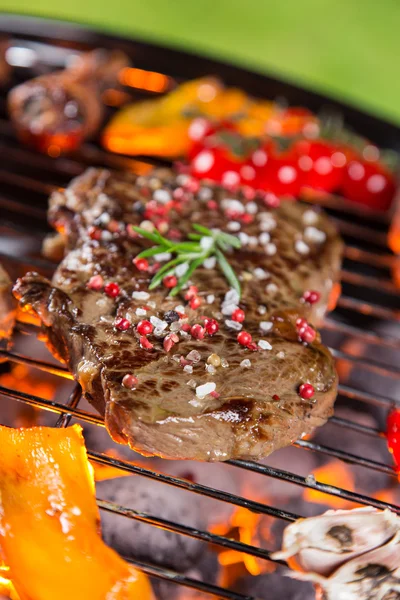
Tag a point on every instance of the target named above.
point(246, 524)
point(144, 80)
point(334, 473)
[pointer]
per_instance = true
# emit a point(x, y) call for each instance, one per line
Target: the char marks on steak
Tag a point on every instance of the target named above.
point(255, 407)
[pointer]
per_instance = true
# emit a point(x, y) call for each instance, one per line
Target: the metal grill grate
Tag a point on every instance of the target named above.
point(369, 297)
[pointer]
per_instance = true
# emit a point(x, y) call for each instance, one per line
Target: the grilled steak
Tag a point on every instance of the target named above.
point(179, 392)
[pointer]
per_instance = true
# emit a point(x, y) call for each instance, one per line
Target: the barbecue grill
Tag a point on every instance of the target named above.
point(370, 300)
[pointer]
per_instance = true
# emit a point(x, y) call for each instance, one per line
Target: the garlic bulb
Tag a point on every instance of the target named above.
point(321, 544)
point(374, 575)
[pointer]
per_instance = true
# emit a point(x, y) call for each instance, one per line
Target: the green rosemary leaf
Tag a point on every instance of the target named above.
point(153, 251)
point(165, 270)
point(153, 236)
point(192, 267)
point(223, 244)
point(194, 236)
point(202, 229)
point(186, 247)
point(232, 240)
point(228, 271)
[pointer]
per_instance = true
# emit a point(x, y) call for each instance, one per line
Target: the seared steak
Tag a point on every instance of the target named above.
point(179, 392)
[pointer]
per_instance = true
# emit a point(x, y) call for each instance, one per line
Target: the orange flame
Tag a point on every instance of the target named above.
point(334, 296)
point(144, 80)
point(246, 524)
point(334, 473)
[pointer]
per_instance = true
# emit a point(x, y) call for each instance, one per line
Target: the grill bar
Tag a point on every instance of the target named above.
point(204, 536)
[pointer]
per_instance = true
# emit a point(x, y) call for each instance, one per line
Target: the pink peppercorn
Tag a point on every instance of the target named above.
point(238, 315)
point(306, 391)
point(197, 331)
point(95, 283)
point(112, 289)
point(141, 264)
point(301, 323)
point(94, 233)
point(169, 341)
point(122, 324)
point(144, 327)
point(191, 292)
point(307, 334)
point(170, 281)
point(144, 342)
point(253, 347)
point(195, 302)
point(211, 326)
point(244, 338)
point(311, 296)
point(130, 381)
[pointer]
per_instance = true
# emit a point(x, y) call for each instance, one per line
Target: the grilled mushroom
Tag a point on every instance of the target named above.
point(56, 112)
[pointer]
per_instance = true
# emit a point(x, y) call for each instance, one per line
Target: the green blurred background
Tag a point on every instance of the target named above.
point(348, 49)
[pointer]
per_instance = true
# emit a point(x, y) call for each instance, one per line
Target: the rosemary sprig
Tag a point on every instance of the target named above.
point(193, 252)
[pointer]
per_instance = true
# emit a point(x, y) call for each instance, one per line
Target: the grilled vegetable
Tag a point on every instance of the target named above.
point(57, 112)
point(49, 521)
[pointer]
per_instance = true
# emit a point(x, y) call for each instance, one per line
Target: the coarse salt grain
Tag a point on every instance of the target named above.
point(206, 242)
point(210, 262)
point(179, 309)
point(313, 234)
point(192, 383)
point(310, 217)
point(301, 247)
point(244, 238)
point(233, 205)
point(266, 325)
point(194, 356)
point(158, 323)
point(162, 196)
point(271, 288)
point(264, 238)
point(252, 241)
point(210, 369)
point(264, 345)
point(280, 355)
point(233, 226)
point(210, 298)
point(140, 295)
point(270, 249)
point(262, 309)
point(106, 236)
point(252, 208)
point(163, 256)
point(188, 369)
point(205, 193)
point(233, 324)
point(203, 390)
point(267, 222)
point(140, 312)
point(246, 363)
point(180, 270)
point(224, 363)
point(261, 273)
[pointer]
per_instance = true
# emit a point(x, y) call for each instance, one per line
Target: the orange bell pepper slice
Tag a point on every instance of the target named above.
point(49, 522)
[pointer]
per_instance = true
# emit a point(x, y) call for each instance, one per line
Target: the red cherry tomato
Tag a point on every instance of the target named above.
point(282, 175)
point(369, 183)
point(322, 164)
